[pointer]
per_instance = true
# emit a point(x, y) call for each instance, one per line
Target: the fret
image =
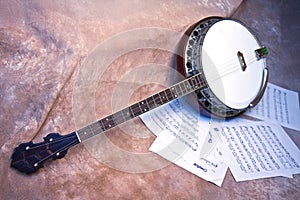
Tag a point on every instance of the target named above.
point(159, 96)
point(174, 92)
point(126, 112)
point(136, 109)
point(92, 132)
point(188, 84)
point(195, 83)
point(131, 113)
point(149, 108)
point(163, 97)
point(183, 89)
point(108, 122)
point(199, 80)
point(151, 102)
point(140, 109)
point(191, 83)
point(169, 94)
point(143, 106)
point(202, 82)
point(157, 99)
point(118, 117)
point(101, 124)
point(180, 89)
point(85, 133)
point(96, 128)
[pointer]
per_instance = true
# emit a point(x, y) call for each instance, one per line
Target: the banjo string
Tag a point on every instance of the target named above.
point(228, 70)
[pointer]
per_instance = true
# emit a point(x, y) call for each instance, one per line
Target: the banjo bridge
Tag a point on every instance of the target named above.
point(241, 60)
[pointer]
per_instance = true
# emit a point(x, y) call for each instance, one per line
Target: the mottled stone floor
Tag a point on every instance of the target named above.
point(43, 46)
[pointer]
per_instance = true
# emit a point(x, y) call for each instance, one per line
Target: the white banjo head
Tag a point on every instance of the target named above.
point(230, 60)
point(232, 70)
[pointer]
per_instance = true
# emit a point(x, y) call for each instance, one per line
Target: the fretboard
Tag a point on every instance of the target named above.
point(176, 91)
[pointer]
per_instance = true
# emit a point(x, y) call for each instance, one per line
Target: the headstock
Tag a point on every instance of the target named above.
point(29, 157)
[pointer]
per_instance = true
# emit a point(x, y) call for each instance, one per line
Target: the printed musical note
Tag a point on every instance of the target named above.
point(259, 150)
point(279, 105)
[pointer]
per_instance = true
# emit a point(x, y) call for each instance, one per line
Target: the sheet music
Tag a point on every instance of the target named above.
point(211, 167)
point(183, 137)
point(278, 105)
point(258, 150)
point(252, 149)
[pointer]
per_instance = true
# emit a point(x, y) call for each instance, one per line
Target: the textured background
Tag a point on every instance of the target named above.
point(44, 43)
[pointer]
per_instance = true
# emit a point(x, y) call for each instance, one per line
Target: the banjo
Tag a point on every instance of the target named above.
point(223, 64)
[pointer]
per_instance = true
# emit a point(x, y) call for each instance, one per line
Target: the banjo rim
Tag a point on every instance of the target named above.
point(228, 112)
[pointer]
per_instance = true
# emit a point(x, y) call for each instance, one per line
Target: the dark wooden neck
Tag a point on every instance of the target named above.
point(178, 90)
point(29, 157)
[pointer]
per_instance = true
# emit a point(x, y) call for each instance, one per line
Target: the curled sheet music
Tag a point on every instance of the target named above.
point(184, 138)
point(278, 105)
point(258, 150)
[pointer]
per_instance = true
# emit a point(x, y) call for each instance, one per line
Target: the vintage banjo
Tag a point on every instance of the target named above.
point(224, 64)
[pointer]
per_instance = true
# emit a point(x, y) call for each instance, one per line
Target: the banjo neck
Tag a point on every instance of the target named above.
point(178, 90)
point(29, 157)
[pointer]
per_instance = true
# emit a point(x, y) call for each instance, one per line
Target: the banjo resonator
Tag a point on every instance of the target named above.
point(230, 59)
